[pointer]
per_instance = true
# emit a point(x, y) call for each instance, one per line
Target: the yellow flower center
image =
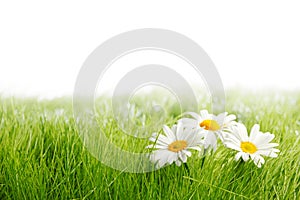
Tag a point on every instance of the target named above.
point(248, 147)
point(211, 125)
point(178, 145)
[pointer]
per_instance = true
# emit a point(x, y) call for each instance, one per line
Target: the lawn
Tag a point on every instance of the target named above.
point(43, 157)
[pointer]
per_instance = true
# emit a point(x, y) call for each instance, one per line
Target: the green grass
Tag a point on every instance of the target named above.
point(43, 157)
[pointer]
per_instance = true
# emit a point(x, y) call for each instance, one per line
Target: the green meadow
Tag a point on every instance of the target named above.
point(43, 157)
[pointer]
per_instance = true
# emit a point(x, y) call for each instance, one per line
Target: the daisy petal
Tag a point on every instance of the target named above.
point(245, 157)
point(194, 115)
point(169, 133)
point(238, 156)
point(254, 132)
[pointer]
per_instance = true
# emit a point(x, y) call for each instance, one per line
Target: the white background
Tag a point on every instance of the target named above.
point(254, 44)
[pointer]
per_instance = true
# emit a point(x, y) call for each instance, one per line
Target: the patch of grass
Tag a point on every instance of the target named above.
point(43, 157)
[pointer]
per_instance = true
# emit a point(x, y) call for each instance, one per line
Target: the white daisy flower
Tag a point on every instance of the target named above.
point(211, 125)
point(254, 146)
point(174, 145)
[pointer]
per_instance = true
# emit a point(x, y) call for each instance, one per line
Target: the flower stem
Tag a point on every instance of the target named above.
point(187, 168)
point(188, 171)
point(202, 164)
